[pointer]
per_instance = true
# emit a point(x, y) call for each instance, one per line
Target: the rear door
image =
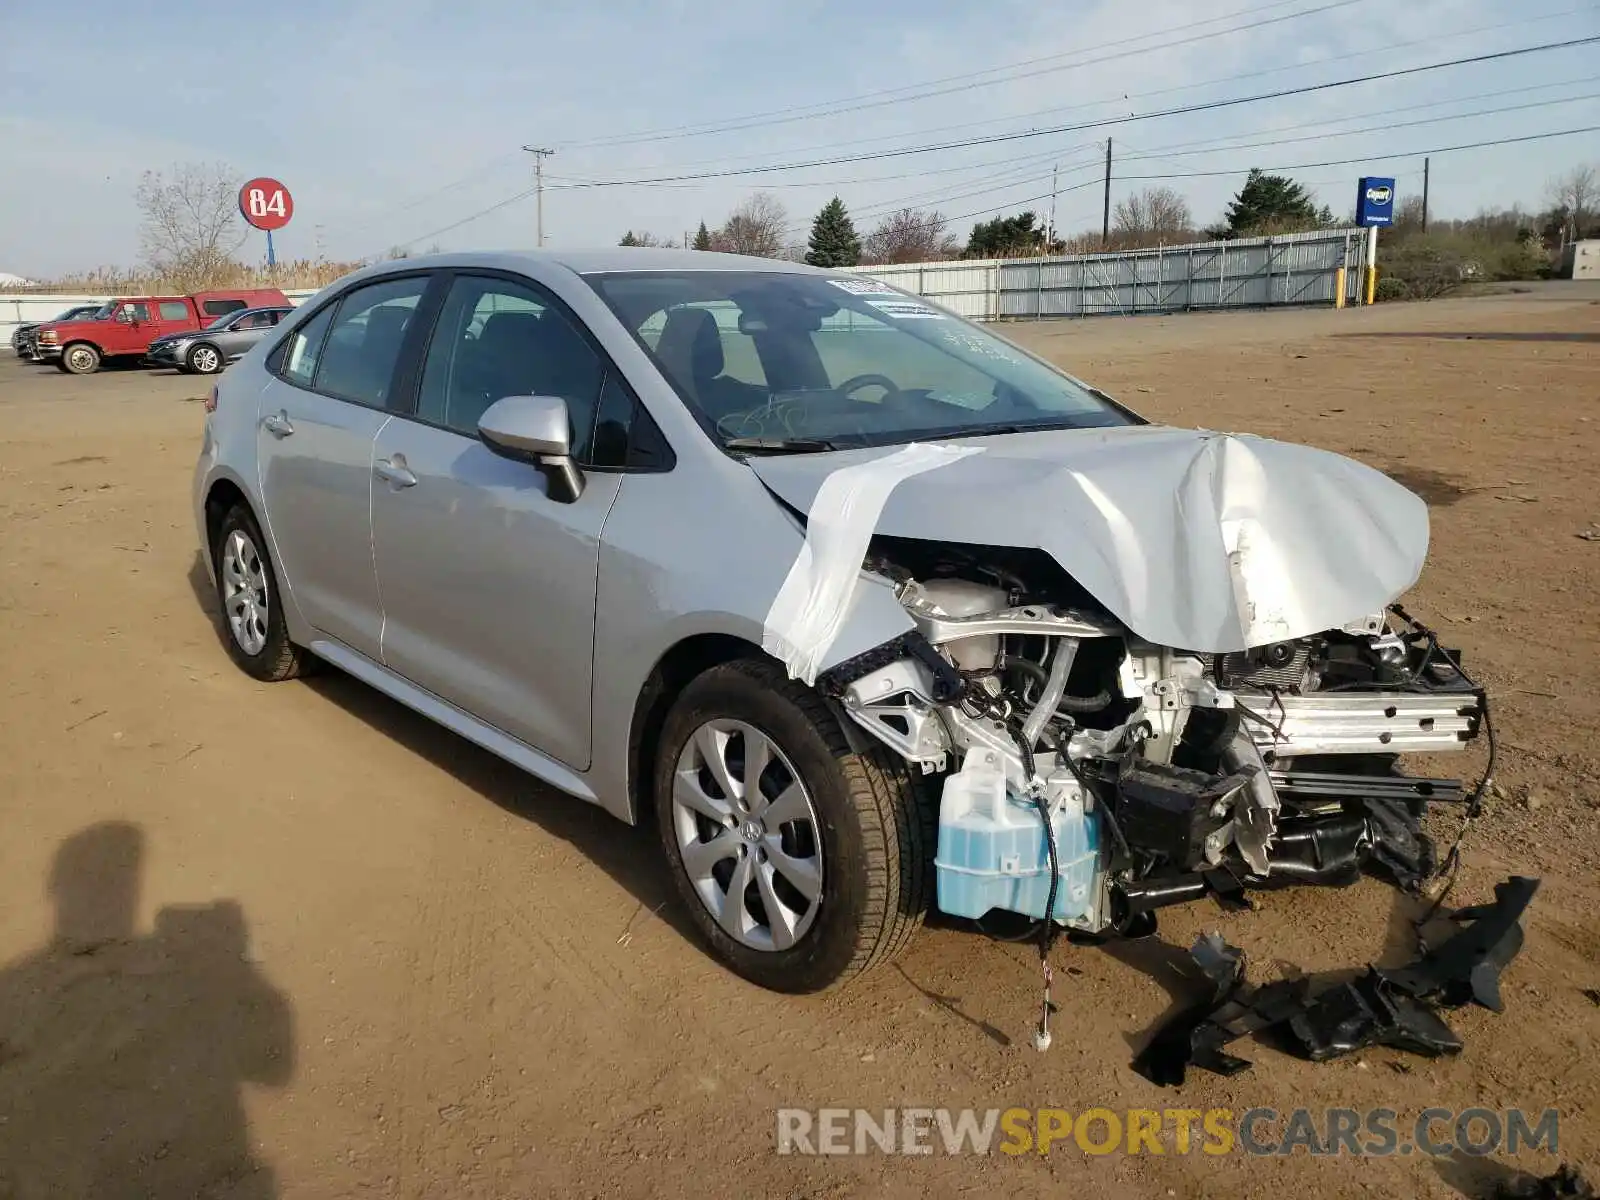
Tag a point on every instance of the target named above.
point(243, 332)
point(332, 380)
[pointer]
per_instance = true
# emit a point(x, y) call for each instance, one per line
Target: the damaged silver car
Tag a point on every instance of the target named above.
point(873, 610)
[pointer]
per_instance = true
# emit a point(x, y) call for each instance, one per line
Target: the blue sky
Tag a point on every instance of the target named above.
point(392, 120)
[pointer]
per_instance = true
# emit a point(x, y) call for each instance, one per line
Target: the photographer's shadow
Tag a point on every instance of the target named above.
point(122, 1054)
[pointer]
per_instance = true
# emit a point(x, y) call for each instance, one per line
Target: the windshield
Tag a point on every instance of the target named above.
point(777, 357)
point(103, 313)
point(222, 320)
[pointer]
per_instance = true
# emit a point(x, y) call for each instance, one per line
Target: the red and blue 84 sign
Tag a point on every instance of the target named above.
point(265, 204)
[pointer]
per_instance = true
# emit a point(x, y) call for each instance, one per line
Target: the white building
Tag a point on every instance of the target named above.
point(1582, 260)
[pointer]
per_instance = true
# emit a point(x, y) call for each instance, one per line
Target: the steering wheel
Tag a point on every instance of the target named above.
point(857, 382)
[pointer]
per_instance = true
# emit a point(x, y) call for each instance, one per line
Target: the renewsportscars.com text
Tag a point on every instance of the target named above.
point(1378, 1132)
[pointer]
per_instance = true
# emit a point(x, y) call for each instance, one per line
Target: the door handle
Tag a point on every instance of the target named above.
point(278, 425)
point(394, 472)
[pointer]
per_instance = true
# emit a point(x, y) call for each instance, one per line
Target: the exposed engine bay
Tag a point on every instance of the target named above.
point(1096, 778)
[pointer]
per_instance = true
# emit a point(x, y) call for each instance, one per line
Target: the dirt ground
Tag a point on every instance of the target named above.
point(293, 940)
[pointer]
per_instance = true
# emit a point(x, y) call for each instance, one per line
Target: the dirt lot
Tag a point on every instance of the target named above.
point(295, 941)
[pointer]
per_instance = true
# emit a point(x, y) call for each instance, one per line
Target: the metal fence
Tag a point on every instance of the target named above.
point(1292, 269)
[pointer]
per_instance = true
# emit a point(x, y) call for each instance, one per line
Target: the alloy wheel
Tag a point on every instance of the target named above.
point(244, 592)
point(748, 834)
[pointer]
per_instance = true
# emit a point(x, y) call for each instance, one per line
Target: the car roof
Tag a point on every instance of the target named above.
point(606, 259)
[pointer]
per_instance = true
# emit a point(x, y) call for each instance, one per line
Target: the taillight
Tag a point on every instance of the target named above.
point(211, 399)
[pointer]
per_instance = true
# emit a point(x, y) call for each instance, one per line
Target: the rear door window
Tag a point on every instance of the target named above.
point(174, 310)
point(297, 361)
point(364, 341)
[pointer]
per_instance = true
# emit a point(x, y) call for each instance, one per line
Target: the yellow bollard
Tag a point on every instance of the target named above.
point(1338, 288)
point(1372, 285)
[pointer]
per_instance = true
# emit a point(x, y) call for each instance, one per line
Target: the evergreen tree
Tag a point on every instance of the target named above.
point(629, 240)
point(702, 238)
point(833, 238)
point(1271, 202)
point(1008, 237)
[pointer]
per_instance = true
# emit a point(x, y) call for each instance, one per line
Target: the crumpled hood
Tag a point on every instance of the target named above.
point(1202, 541)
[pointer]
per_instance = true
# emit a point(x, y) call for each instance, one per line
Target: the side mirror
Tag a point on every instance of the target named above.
point(535, 429)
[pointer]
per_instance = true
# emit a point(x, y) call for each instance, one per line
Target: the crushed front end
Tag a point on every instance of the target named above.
point(1096, 777)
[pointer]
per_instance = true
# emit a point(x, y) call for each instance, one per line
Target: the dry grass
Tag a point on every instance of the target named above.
point(289, 276)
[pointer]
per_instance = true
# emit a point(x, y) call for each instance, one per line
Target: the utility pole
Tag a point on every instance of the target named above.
point(1105, 224)
point(539, 155)
point(1425, 163)
point(1050, 236)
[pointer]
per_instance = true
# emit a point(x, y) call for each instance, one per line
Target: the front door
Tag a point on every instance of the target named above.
point(131, 329)
point(488, 583)
point(317, 420)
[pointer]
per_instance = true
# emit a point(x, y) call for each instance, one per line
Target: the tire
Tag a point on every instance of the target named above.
point(204, 359)
point(874, 835)
point(79, 358)
point(255, 634)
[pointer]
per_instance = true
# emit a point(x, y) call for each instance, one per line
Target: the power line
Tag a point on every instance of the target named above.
point(990, 122)
point(1214, 145)
point(968, 81)
point(1206, 106)
point(1170, 153)
point(1366, 158)
point(564, 183)
point(482, 212)
point(1338, 162)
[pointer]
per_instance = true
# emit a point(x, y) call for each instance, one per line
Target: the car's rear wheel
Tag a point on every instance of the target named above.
point(80, 358)
point(802, 863)
point(205, 360)
point(253, 627)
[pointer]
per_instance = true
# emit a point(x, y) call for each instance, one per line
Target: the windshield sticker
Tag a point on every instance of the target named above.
point(980, 346)
point(863, 287)
point(906, 310)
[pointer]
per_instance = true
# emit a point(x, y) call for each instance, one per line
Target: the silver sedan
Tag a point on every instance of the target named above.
point(874, 611)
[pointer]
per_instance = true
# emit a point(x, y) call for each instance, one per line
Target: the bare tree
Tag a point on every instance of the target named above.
point(907, 236)
point(1576, 194)
point(1152, 217)
point(189, 225)
point(1408, 217)
point(758, 227)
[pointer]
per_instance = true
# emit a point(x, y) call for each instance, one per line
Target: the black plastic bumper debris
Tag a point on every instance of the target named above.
point(1466, 966)
point(1369, 1012)
point(1380, 1008)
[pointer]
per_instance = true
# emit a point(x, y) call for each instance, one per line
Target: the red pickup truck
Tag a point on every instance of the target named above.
point(125, 327)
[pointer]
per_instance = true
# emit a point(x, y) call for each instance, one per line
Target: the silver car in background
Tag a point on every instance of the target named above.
point(209, 350)
point(870, 608)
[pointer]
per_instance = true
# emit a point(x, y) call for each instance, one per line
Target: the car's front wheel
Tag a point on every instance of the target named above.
point(801, 862)
point(204, 360)
point(80, 358)
point(254, 630)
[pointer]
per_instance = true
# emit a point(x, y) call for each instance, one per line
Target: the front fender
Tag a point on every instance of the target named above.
point(687, 554)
